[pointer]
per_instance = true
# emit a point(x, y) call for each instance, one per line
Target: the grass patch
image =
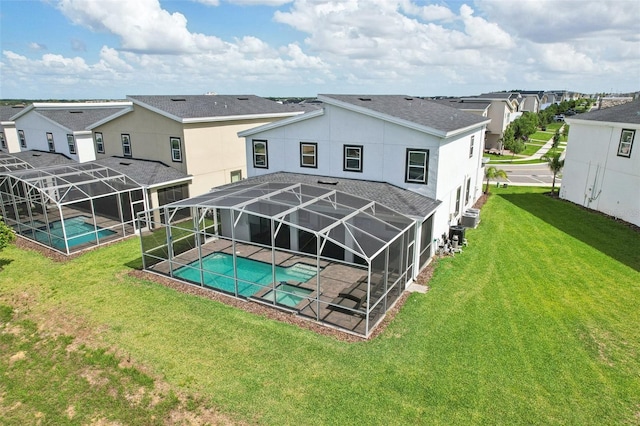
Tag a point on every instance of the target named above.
point(542, 136)
point(534, 323)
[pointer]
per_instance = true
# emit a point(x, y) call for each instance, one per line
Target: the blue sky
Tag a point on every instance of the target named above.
point(108, 49)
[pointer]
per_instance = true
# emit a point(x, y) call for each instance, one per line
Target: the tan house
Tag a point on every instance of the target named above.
point(194, 134)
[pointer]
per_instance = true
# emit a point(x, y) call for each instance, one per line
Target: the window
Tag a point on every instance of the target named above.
point(353, 158)
point(467, 194)
point(458, 194)
point(260, 155)
point(52, 146)
point(99, 143)
point(126, 145)
point(23, 140)
point(308, 154)
point(471, 146)
point(176, 150)
point(3, 141)
point(236, 176)
point(417, 166)
point(626, 143)
point(71, 141)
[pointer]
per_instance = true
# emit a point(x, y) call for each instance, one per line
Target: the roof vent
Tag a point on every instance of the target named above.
point(365, 99)
point(122, 163)
point(243, 98)
point(409, 98)
point(327, 182)
point(178, 99)
point(76, 112)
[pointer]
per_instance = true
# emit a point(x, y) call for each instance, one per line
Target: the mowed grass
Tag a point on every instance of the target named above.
point(536, 322)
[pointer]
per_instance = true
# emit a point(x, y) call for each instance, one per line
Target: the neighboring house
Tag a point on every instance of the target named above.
point(531, 100)
point(196, 134)
point(63, 127)
point(8, 134)
point(602, 166)
point(415, 144)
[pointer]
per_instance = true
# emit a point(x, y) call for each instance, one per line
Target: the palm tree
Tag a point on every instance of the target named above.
point(555, 164)
point(493, 173)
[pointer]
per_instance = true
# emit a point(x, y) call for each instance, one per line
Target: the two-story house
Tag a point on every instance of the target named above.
point(602, 167)
point(194, 134)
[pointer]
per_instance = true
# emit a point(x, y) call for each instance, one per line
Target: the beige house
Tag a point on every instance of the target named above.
point(195, 134)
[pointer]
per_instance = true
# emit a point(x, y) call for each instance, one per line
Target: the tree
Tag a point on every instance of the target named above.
point(492, 172)
point(555, 165)
point(556, 140)
point(6, 234)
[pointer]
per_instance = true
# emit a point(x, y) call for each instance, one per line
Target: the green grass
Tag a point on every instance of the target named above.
point(536, 322)
point(542, 136)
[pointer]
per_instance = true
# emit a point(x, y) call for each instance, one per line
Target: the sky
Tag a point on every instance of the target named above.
point(108, 49)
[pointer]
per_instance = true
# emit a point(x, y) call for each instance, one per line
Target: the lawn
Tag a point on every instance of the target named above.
point(536, 322)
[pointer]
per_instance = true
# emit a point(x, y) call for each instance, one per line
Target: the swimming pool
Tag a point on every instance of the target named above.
point(77, 228)
point(218, 273)
point(291, 298)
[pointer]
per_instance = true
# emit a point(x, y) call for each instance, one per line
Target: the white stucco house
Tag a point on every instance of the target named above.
point(602, 167)
point(63, 127)
point(418, 146)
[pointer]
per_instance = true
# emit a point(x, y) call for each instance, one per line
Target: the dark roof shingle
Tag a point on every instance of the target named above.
point(204, 106)
point(401, 200)
point(76, 119)
point(625, 113)
point(420, 111)
point(144, 172)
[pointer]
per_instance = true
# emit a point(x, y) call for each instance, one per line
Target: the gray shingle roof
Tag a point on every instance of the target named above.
point(466, 103)
point(396, 198)
point(420, 111)
point(144, 172)
point(38, 159)
point(205, 106)
point(8, 111)
point(78, 118)
point(625, 113)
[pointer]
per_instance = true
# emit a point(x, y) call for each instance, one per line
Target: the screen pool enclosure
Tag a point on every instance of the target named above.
point(72, 207)
point(332, 257)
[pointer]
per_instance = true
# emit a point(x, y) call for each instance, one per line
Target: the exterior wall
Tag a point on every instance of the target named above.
point(594, 175)
point(214, 150)
point(36, 127)
point(531, 103)
point(149, 134)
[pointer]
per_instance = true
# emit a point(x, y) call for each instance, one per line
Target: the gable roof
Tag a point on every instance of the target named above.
point(206, 108)
point(145, 172)
point(78, 119)
point(38, 159)
point(418, 113)
point(465, 104)
point(625, 113)
point(8, 111)
point(401, 200)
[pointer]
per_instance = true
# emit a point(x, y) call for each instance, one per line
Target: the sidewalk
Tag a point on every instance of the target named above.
point(538, 154)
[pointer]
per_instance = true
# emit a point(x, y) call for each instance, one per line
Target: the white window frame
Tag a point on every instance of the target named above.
point(126, 145)
point(424, 166)
point(264, 164)
point(176, 153)
point(50, 142)
point(99, 139)
point(347, 158)
point(626, 142)
point(22, 138)
point(71, 141)
point(473, 139)
point(309, 159)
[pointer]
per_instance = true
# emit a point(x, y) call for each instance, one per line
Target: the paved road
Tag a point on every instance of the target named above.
point(528, 174)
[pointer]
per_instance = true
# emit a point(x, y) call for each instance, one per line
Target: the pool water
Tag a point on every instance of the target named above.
point(78, 231)
point(218, 273)
point(292, 297)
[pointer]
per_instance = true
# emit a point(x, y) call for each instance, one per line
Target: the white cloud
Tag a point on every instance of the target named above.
point(37, 46)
